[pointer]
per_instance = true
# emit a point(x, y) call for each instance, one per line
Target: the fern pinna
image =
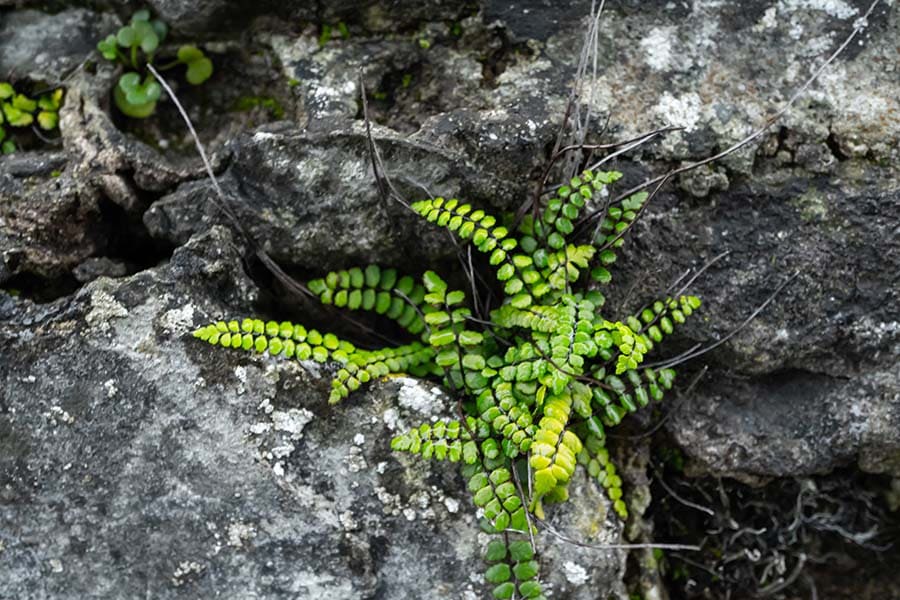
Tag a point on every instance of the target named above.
point(540, 382)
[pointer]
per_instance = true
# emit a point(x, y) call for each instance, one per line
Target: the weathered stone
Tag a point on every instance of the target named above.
point(104, 152)
point(49, 222)
point(136, 457)
point(310, 200)
point(48, 48)
point(809, 386)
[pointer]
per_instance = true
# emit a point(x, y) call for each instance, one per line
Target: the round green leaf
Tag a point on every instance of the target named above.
point(24, 103)
point(137, 96)
point(16, 117)
point(127, 37)
point(107, 47)
point(504, 590)
point(496, 550)
point(51, 101)
point(129, 81)
point(526, 570)
point(6, 90)
point(188, 54)
point(48, 120)
point(498, 573)
point(530, 589)
point(147, 36)
point(161, 29)
point(521, 551)
point(137, 111)
point(152, 90)
point(199, 71)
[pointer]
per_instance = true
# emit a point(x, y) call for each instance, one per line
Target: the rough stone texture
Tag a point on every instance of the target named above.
point(46, 47)
point(308, 196)
point(137, 459)
point(215, 16)
point(785, 206)
point(156, 457)
point(47, 224)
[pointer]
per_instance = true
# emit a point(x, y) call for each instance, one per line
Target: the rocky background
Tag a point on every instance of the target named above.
point(137, 462)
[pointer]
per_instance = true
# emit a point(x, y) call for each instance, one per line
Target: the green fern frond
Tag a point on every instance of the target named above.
point(488, 237)
point(631, 345)
point(468, 223)
point(536, 388)
point(595, 458)
point(508, 416)
point(444, 440)
point(365, 365)
point(285, 340)
point(660, 318)
point(493, 490)
point(554, 450)
point(618, 397)
point(512, 568)
point(374, 289)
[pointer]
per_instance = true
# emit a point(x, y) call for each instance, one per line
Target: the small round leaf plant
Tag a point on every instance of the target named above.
point(536, 383)
point(18, 110)
point(136, 45)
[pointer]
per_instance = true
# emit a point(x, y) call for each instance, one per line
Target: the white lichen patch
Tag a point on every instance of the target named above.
point(391, 419)
point(104, 308)
point(769, 19)
point(834, 8)
point(683, 111)
point(292, 421)
point(657, 48)
point(347, 521)
point(185, 570)
point(282, 451)
point(240, 374)
point(57, 415)
point(260, 428)
point(178, 319)
point(110, 386)
point(355, 460)
point(238, 533)
point(575, 573)
point(452, 505)
point(391, 503)
point(415, 397)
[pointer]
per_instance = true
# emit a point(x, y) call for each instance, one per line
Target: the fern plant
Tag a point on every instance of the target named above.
point(19, 111)
point(539, 382)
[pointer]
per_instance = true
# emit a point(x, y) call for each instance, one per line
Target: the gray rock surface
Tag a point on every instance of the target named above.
point(307, 196)
point(137, 459)
point(819, 195)
point(47, 48)
point(161, 467)
point(47, 224)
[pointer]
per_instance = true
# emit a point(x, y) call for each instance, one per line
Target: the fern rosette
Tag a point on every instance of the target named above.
point(539, 380)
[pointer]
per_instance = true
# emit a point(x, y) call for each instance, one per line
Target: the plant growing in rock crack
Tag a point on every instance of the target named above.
point(135, 46)
point(19, 111)
point(537, 380)
point(538, 383)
